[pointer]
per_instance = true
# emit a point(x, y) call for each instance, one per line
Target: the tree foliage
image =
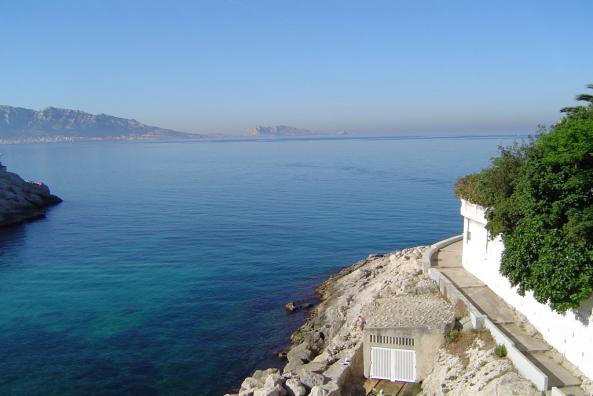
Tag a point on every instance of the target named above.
point(539, 197)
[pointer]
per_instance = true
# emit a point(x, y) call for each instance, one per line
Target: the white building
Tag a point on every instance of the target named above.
point(571, 334)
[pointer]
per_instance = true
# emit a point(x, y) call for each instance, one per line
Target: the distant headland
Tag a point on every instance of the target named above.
point(22, 125)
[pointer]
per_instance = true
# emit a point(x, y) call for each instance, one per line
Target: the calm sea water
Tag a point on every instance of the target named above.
point(166, 268)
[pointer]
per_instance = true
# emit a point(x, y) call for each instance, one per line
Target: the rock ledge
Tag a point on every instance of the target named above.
point(22, 200)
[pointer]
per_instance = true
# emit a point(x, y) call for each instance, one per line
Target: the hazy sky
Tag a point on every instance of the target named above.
point(364, 66)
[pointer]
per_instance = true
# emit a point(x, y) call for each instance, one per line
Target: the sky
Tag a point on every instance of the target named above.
point(377, 67)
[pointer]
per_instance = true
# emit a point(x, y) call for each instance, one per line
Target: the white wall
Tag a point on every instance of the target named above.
point(569, 335)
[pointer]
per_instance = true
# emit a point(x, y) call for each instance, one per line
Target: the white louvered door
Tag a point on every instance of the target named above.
point(393, 364)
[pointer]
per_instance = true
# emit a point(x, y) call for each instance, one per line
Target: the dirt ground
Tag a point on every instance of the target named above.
point(373, 387)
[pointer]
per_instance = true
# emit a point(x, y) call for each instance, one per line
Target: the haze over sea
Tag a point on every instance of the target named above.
point(166, 268)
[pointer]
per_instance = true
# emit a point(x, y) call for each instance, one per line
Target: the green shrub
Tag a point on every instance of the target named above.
point(452, 336)
point(500, 351)
point(539, 197)
point(467, 187)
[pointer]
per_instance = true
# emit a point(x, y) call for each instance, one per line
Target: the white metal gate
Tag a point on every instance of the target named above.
point(393, 364)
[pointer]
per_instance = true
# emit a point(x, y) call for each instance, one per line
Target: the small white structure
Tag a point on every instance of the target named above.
point(392, 357)
point(571, 334)
point(399, 353)
point(402, 336)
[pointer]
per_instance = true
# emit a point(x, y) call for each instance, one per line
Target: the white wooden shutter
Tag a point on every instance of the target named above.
point(381, 363)
point(393, 364)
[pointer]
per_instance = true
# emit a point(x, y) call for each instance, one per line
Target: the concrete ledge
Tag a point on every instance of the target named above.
point(427, 258)
point(523, 365)
point(449, 290)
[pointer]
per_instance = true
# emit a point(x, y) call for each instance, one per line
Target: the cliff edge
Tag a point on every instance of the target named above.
point(22, 200)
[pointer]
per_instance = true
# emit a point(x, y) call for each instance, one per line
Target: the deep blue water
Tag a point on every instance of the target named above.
point(166, 268)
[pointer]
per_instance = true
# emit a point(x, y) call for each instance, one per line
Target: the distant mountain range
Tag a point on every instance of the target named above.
point(21, 125)
point(284, 130)
point(18, 124)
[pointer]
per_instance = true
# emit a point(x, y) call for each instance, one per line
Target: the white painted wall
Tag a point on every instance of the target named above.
point(481, 256)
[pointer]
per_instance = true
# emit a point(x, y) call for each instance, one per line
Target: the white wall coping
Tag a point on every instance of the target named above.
point(473, 211)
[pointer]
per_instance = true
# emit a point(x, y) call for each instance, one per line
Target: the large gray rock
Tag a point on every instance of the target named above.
point(315, 367)
point(332, 389)
point(298, 356)
point(273, 380)
point(310, 379)
point(274, 391)
point(251, 383)
point(300, 353)
point(318, 391)
point(295, 388)
point(21, 200)
point(258, 380)
point(262, 375)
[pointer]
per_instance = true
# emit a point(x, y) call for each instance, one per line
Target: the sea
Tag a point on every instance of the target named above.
point(166, 268)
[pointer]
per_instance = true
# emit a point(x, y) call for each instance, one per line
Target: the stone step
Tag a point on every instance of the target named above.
point(558, 376)
point(523, 341)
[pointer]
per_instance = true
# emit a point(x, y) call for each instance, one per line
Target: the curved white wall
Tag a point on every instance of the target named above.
point(570, 335)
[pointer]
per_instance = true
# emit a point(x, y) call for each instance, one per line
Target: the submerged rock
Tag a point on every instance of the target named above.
point(21, 200)
point(291, 306)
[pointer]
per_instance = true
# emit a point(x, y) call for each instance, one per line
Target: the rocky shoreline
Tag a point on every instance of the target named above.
point(21, 200)
point(326, 356)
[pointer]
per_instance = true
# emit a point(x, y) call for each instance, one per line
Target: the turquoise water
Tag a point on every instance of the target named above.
point(166, 268)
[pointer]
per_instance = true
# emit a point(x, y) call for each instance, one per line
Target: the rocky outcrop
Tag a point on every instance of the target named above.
point(483, 374)
point(326, 357)
point(21, 200)
point(326, 353)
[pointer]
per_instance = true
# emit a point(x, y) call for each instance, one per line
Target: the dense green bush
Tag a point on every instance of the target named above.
point(539, 197)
